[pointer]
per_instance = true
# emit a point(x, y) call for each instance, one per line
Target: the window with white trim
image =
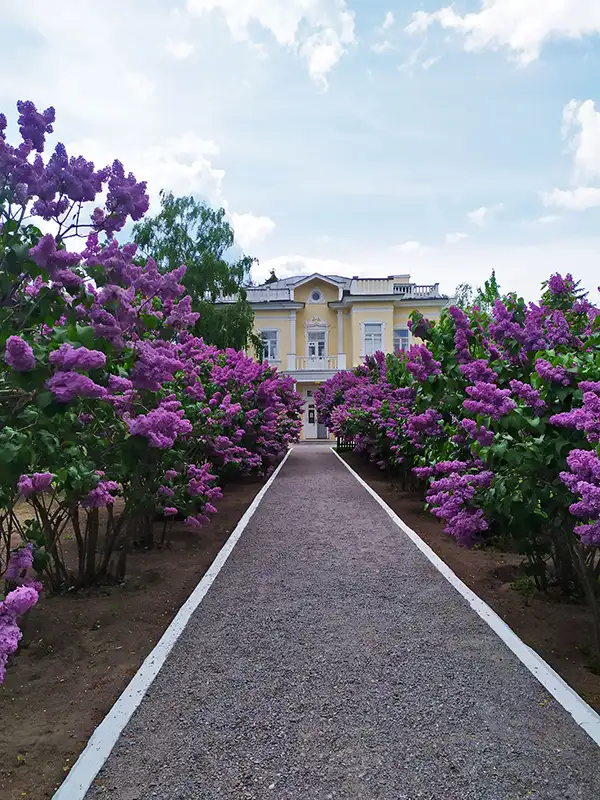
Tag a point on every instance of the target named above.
point(400, 339)
point(316, 344)
point(270, 345)
point(373, 337)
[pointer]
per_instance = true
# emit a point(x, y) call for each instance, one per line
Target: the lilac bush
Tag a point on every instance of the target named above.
point(500, 423)
point(113, 413)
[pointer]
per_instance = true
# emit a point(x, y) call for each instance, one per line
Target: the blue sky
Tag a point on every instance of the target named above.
point(350, 136)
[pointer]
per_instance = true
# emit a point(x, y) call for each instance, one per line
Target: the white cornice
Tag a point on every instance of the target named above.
point(350, 300)
point(372, 308)
point(288, 306)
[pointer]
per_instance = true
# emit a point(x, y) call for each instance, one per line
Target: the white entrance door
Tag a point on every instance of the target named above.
point(316, 350)
point(311, 429)
point(310, 416)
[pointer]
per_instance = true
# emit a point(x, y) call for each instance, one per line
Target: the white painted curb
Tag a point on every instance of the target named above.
point(583, 714)
point(104, 738)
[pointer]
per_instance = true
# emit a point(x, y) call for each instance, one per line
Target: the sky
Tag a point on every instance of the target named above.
point(353, 137)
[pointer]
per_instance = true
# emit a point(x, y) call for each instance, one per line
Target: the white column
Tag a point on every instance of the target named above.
point(292, 331)
point(292, 353)
point(340, 331)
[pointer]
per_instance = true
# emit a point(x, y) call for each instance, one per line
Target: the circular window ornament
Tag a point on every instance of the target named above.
point(316, 296)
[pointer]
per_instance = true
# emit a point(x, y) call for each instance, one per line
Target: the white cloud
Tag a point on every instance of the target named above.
point(477, 217)
point(453, 238)
point(389, 20)
point(413, 61)
point(381, 47)
point(580, 199)
point(521, 268)
point(522, 26)
point(408, 248)
point(286, 266)
point(183, 165)
point(322, 51)
point(548, 219)
point(179, 49)
point(319, 30)
point(250, 229)
point(429, 62)
point(581, 127)
point(480, 215)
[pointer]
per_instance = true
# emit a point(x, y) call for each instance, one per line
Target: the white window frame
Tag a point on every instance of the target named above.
point(276, 357)
point(406, 338)
point(322, 333)
point(316, 325)
point(363, 326)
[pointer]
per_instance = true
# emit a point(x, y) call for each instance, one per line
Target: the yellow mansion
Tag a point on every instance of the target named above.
point(313, 326)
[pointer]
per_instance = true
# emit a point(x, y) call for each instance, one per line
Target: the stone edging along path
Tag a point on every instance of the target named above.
point(330, 656)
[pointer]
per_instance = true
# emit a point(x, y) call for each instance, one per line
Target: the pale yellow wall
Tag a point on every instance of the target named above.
point(372, 313)
point(376, 311)
point(402, 315)
point(273, 320)
point(320, 310)
point(329, 291)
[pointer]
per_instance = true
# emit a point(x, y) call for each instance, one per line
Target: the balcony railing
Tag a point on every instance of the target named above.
point(316, 363)
point(417, 290)
point(260, 296)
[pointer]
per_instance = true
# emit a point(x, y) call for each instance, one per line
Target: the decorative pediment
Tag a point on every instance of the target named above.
point(316, 322)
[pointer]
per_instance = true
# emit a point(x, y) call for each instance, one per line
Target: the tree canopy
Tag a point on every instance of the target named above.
point(484, 296)
point(188, 231)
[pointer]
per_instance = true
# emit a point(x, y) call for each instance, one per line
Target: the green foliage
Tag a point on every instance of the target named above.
point(483, 297)
point(187, 231)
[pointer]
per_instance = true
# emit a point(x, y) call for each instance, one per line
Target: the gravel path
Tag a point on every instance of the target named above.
point(331, 660)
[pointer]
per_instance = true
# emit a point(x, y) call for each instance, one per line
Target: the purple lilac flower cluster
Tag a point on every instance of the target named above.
point(19, 562)
point(505, 327)
point(463, 334)
point(586, 418)
point(68, 357)
point(478, 370)
point(449, 498)
point(161, 426)
point(558, 285)
point(64, 182)
point(477, 433)
point(487, 399)
point(584, 481)
point(67, 386)
point(420, 362)
point(15, 604)
point(552, 374)
point(421, 426)
point(39, 482)
point(530, 396)
point(102, 495)
point(19, 354)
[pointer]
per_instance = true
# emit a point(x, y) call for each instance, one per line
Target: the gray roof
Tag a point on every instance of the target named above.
point(285, 283)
